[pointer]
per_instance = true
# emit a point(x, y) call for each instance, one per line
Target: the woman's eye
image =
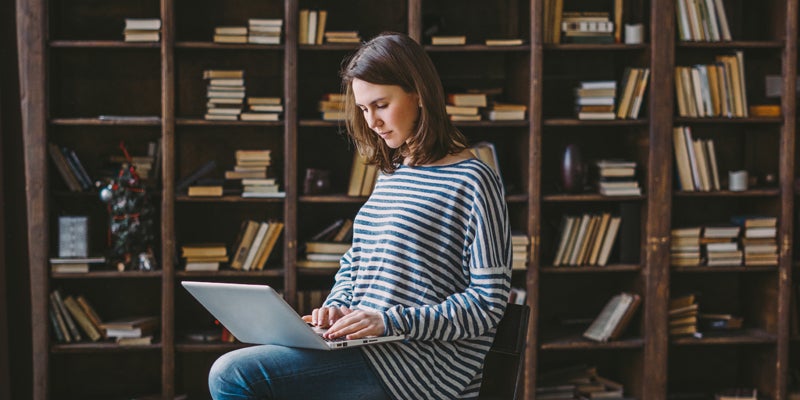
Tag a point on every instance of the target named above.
point(381, 106)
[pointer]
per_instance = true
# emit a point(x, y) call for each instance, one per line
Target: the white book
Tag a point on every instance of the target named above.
point(145, 24)
point(724, 30)
point(312, 27)
point(251, 254)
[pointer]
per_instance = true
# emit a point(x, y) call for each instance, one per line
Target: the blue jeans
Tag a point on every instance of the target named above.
point(277, 372)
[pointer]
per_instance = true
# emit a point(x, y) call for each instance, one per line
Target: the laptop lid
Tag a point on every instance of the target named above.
point(258, 314)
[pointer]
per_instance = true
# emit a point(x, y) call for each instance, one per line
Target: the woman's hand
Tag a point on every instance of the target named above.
point(356, 324)
point(324, 317)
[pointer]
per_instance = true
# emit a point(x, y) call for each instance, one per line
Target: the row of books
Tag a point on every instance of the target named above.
point(257, 31)
point(586, 239)
point(576, 382)
point(476, 106)
point(255, 243)
point(311, 26)
point(74, 319)
point(713, 90)
point(70, 168)
point(520, 247)
point(142, 30)
point(587, 27)
point(702, 21)
point(460, 40)
point(634, 85)
point(695, 161)
point(363, 176)
point(617, 178)
point(752, 240)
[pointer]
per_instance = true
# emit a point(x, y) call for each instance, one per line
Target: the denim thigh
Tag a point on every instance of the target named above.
point(278, 372)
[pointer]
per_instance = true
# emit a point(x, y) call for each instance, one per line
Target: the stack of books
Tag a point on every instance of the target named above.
point(715, 89)
point(331, 107)
point(262, 109)
point(520, 244)
point(70, 265)
point(323, 254)
point(586, 239)
point(695, 161)
point(720, 243)
point(617, 178)
point(325, 248)
point(683, 312)
point(226, 93)
point(634, 85)
point(576, 382)
point(204, 256)
point(250, 164)
point(363, 176)
point(255, 243)
point(261, 188)
point(505, 112)
point(142, 30)
point(759, 239)
point(596, 99)
point(311, 26)
point(465, 106)
point(709, 322)
point(230, 34)
point(448, 40)
point(587, 27)
point(342, 37)
point(136, 330)
point(702, 20)
point(685, 246)
point(264, 30)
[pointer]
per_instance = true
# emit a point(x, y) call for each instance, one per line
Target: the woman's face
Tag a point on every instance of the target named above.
point(388, 110)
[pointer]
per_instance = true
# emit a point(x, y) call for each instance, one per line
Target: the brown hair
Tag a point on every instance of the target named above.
point(396, 59)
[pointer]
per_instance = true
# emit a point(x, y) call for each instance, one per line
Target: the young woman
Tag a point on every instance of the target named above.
point(430, 258)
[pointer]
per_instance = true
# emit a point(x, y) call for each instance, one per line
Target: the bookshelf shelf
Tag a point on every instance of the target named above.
point(125, 121)
point(225, 199)
point(269, 271)
point(102, 44)
point(476, 48)
point(750, 120)
point(571, 122)
point(745, 337)
point(718, 269)
point(104, 347)
point(208, 347)
point(228, 46)
point(110, 275)
point(595, 47)
point(769, 192)
point(579, 343)
point(610, 268)
point(79, 69)
point(588, 197)
point(203, 122)
point(738, 44)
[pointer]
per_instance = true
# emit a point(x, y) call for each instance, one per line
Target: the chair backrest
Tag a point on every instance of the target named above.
point(504, 366)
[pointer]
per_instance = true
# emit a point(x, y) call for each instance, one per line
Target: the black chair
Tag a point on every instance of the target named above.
point(504, 366)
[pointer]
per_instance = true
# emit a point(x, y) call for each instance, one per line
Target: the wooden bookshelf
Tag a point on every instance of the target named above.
point(79, 68)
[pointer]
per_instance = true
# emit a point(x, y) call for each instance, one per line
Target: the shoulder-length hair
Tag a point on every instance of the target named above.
point(396, 59)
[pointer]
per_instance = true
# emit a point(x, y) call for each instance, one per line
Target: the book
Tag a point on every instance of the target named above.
point(203, 170)
point(82, 319)
point(66, 315)
point(135, 326)
point(327, 247)
point(243, 243)
point(613, 318)
point(448, 40)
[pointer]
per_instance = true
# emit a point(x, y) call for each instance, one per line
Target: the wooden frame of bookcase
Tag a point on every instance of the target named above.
point(655, 273)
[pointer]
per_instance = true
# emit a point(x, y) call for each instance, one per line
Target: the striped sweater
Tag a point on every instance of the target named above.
point(431, 252)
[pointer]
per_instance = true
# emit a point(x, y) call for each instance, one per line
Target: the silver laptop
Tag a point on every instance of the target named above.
point(258, 314)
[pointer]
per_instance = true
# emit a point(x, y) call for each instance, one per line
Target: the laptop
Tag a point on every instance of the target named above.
point(257, 314)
